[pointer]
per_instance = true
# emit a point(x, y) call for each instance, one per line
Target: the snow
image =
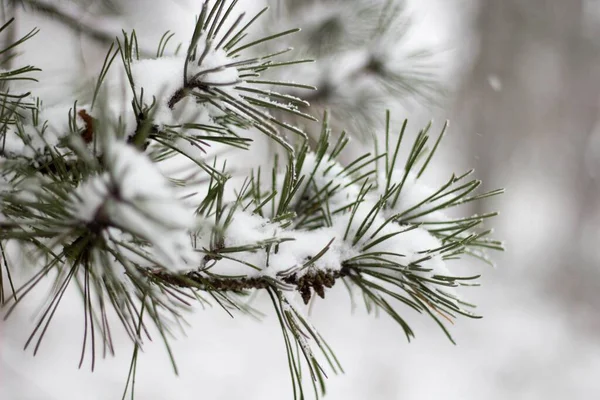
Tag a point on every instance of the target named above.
point(135, 197)
point(161, 78)
point(32, 140)
point(299, 247)
point(306, 245)
point(89, 197)
point(411, 245)
point(214, 67)
point(246, 228)
point(494, 82)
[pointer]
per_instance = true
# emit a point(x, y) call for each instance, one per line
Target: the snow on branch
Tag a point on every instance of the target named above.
point(134, 197)
point(87, 190)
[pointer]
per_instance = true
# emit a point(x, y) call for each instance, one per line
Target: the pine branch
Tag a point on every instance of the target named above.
point(365, 63)
point(85, 191)
point(316, 281)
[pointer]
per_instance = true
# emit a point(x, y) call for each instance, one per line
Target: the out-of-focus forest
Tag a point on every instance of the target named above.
point(522, 83)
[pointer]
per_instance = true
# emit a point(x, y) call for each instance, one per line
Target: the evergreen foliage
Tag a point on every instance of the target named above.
point(365, 60)
point(129, 197)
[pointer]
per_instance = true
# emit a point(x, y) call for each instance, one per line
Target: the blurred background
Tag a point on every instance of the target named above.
point(520, 83)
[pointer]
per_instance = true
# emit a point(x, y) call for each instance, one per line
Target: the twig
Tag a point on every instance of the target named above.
point(317, 281)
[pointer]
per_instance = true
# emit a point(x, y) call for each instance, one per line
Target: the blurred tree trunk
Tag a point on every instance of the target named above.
point(528, 108)
point(549, 81)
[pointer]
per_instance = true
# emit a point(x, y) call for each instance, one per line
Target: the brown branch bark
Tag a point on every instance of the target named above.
point(314, 281)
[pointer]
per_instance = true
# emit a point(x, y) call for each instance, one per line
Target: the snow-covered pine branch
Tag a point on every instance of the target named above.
point(129, 195)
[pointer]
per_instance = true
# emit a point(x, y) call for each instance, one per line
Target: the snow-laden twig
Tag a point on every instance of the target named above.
point(131, 199)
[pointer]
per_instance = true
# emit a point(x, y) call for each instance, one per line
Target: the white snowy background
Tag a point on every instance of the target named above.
point(529, 123)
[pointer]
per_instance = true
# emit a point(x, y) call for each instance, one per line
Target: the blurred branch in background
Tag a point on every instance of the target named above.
point(90, 19)
point(365, 63)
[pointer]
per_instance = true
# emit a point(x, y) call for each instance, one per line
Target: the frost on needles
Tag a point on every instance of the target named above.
point(128, 195)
